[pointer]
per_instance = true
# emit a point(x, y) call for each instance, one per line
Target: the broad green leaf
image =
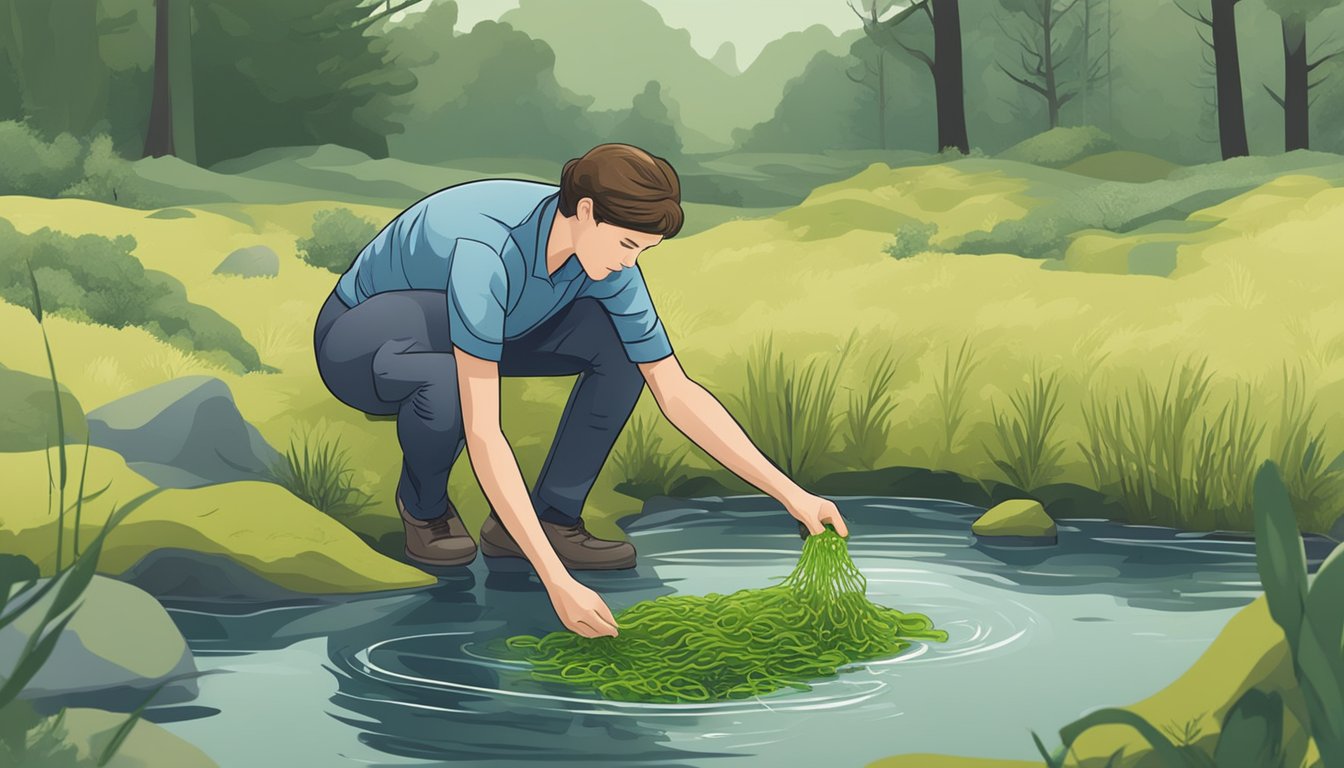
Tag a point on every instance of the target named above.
point(1252, 732)
point(1161, 745)
point(1280, 556)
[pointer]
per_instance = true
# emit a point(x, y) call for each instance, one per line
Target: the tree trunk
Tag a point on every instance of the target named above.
point(881, 100)
point(180, 81)
point(1227, 66)
point(159, 136)
point(947, 76)
point(1048, 64)
point(1296, 134)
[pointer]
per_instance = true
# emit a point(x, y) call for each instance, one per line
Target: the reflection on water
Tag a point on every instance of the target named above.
point(1114, 612)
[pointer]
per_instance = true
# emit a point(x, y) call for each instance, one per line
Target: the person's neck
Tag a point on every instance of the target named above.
point(559, 244)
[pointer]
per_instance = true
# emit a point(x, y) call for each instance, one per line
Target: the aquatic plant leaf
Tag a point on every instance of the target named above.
point(1280, 555)
point(1252, 732)
point(1162, 746)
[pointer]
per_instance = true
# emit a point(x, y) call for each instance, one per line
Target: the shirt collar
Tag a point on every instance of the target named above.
point(538, 230)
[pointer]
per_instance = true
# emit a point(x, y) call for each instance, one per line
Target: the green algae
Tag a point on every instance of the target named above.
point(695, 648)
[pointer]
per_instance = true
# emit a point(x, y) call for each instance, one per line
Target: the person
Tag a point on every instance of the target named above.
point(507, 277)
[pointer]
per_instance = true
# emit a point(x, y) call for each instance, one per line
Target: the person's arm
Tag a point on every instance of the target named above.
point(700, 416)
point(495, 466)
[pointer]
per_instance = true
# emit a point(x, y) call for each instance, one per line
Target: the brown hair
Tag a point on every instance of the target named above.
point(630, 188)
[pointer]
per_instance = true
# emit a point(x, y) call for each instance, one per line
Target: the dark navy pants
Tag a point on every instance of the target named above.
point(391, 354)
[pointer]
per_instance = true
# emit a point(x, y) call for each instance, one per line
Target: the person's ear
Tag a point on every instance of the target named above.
point(585, 209)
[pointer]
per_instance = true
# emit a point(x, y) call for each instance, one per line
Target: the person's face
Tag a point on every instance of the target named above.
point(604, 249)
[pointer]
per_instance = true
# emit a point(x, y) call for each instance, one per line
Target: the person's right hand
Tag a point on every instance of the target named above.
point(581, 609)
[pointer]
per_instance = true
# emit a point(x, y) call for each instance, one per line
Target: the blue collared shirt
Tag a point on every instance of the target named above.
point(484, 243)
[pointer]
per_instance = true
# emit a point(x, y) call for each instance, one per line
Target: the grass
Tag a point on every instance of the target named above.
point(1149, 452)
point(646, 467)
point(1027, 453)
point(951, 393)
point(319, 474)
point(867, 421)
point(28, 738)
point(789, 411)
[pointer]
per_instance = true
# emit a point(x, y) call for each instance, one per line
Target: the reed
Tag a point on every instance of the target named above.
point(868, 419)
point(319, 473)
point(647, 468)
point(1027, 453)
point(951, 389)
point(789, 411)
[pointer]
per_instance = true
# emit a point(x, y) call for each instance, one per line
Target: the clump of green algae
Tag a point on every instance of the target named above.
point(688, 648)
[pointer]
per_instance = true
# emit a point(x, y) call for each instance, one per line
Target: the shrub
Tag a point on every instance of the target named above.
point(910, 240)
point(338, 237)
point(31, 166)
point(1059, 147)
point(97, 279)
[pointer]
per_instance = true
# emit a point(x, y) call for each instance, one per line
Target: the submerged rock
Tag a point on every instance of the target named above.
point(1022, 520)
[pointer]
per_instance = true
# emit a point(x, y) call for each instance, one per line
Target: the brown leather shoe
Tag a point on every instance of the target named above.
point(441, 541)
point(573, 544)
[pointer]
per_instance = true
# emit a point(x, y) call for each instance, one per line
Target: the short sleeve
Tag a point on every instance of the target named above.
point(478, 290)
point(632, 312)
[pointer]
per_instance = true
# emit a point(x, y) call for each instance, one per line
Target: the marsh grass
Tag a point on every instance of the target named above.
point(319, 473)
point(647, 468)
point(789, 410)
point(1027, 453)
point(950, 390)
point(1315, 484)
point(868, 418)
point(1148, 452)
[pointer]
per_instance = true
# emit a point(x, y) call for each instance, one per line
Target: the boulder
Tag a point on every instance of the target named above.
point(148, 745)
point(183, 433)
point(263, 529)
point(118, 646)
point(254, 261)
point(1022, 520)
point(28, 412)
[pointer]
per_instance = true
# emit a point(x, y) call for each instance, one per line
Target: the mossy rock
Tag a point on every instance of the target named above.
point(259, 525)
point(147, 745)
point(28, 413)
point(172, 213)
point(1017, 519)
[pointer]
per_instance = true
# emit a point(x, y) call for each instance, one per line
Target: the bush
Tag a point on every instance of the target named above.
point(65, 167)
point(338, 237)
point(107, 176)
point(99, 280)
point(910, 240)
point(1059, 147)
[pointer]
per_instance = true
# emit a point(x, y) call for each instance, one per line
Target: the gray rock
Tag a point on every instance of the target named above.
point(171, 572)
point(254, 261)
point(184, 433)
point(119, 646)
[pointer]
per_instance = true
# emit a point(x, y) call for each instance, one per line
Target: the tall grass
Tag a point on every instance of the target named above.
point(867, 420)
point(1313, 628)
point(319, 474)
point(1315, 485)
point(1147, 451)
point(67, 587)
point(1027, 454)
point(950, 389)
point(789, 411)
point(646, 468)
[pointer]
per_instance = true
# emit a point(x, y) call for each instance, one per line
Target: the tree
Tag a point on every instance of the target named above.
point(1095, 67)
point(1297, 69)
point(1047, 50)
point(944, 64)
point(649, 124)
point(159, 137)
point(52, 47)
point(1222, 24)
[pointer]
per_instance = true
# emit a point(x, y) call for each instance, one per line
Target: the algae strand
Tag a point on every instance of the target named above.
point(695, 648)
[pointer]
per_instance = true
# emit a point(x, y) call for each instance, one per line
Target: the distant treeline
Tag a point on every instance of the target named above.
point(209, 80)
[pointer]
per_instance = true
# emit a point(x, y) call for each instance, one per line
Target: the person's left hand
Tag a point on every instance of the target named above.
point(812, 511)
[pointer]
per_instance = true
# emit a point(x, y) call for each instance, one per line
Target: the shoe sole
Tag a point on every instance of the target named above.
point(439, 563)
point(491, 551)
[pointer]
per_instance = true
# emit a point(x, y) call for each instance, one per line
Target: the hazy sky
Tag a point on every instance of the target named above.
point(750, 24)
